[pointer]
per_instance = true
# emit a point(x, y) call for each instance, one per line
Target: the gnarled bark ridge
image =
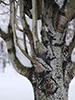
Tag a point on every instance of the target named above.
point(52, 69)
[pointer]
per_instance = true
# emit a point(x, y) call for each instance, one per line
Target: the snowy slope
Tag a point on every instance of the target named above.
point(14, 86)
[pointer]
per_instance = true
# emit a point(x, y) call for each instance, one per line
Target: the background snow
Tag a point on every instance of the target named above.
point(73, 56)
point(13, 85)
point(59, 2)
point(70, 32)
point(4, 16)
point(39, 26)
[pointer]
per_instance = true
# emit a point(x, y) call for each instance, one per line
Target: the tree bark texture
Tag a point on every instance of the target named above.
point(53, 84)
point(52, 69)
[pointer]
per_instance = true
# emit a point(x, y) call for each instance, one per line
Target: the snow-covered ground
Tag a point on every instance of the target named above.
point(14, 86)
point(72, 90)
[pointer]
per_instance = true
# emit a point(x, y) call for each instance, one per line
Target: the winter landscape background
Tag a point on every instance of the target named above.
point(14, 86)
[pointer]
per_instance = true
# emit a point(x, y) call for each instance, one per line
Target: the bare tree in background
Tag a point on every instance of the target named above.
point(3, 55)
point(52, 68)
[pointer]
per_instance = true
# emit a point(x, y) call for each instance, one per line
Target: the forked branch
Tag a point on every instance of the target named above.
point(65, 14)
point(39, 47)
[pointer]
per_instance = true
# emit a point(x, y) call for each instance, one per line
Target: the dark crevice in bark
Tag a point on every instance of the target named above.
point(58, 44)
point(46, 83)
point(64, 68)
point(49, 59)
point(55, 15)
point(45, 66)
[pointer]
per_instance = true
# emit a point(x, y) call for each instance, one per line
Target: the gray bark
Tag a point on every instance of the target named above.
point(52, 71)
point(53, 84)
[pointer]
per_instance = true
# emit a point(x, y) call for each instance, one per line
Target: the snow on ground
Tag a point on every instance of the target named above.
point(72, 90)
point(14, 86)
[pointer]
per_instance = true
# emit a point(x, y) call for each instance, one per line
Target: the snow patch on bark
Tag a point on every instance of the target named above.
point(4, 16)
point(22, 58)
point(59, 2)
point(39, 26)
point(73, 56)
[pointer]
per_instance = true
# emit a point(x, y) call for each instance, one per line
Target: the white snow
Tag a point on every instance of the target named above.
point(69, 38)
point(4, 16)
point(28, 46)
point(4, 45)
point(14, 86)
point(59, 2)
point(23, 59)
point(70, 32)
point(3, 54)
point(39, 26)
point(72, 90)
point(73, 56)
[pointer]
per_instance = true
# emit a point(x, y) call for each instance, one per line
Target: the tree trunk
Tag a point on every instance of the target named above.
point(53, 83)
point(49, 84)
point(52, 70)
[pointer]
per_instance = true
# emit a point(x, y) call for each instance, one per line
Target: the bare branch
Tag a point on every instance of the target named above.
point(24, 70)
point(44, 34)
point(34, 22)
point(39, 47)
point(26, 28)
point(4, 35)
point(14, 31)
point(5, 13)
point(12, 54)
point(4, 3)
point(65, 14)
point(23, 21)
point(72, 45)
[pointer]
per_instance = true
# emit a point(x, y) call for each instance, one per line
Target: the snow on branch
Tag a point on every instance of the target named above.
point(39, 47)
point(70, 32)
point(13, 18)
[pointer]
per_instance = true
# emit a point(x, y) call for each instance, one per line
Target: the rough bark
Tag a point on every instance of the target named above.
point(12, 53)
point(53, 84)
point(49, 85)
point(52, 70)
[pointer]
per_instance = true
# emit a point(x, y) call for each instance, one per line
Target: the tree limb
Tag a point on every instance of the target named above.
point(12, 54)
point(14, 31)
point(26, 28)
point(34, 22)
point(72, 45)
point(23, 70)
point(39, 47)
point(65, 14)
point(4, 35)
